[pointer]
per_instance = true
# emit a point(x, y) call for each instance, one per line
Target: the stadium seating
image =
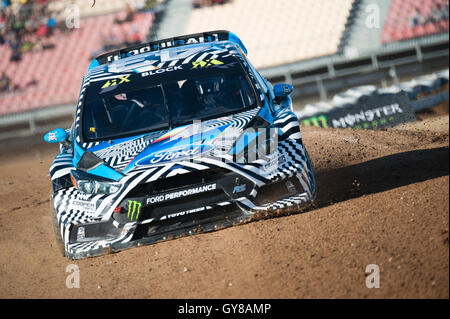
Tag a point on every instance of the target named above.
point(86, 7)
point(411, 19)
point(100, 7)
point(278, 32)
point(57, 72)
point(274, 32)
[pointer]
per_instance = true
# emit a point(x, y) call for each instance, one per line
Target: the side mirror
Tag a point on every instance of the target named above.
point(56, 136)
point(282, 90)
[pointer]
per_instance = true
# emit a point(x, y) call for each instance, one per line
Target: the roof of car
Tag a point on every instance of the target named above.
point(163, 58)
point(163, 45)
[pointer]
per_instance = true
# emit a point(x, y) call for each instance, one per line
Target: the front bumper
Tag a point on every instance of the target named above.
point(118, 236)
point(206, 221)
point(175, 207)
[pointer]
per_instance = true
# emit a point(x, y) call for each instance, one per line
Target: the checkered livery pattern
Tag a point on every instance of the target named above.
point(290, 159)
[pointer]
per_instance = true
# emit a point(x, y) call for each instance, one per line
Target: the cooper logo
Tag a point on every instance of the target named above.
point(83, 205)
point(173, 155)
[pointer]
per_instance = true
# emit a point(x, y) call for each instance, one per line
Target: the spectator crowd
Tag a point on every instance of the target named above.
point(125, 33)
point(207, 3)
point(6, 85)
point(26, 26)
point(438, 13)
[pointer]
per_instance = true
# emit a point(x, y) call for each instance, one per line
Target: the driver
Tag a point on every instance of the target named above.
point(143, 108)
point(210, 92)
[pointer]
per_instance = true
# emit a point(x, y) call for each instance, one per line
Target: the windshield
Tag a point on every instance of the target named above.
point(137, 103)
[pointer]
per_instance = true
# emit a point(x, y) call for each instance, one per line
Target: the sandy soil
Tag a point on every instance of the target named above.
point(383, 198)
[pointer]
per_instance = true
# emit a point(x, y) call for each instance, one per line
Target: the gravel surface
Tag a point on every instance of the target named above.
point(383, 198)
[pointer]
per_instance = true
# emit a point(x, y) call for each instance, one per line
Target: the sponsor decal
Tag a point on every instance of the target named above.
point(290, 187)
point(83, 205)
point(84, 197)
point(52, 136)
point(239, 188)
point(174, 154)
point(173, 133)
point(159, 71)
point(114, 83)
point(320, 121)
point(368, 118)
point(81, 234)
point(374, 113)
point(124, 149)
point(136, 64)
point(274, 162)
point(206, 63)
point(195, 210)
point(155, 46)
point(134, 208)
point(181, 193)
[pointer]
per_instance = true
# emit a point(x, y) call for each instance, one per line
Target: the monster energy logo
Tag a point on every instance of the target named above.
point(316, 121)
point(133, 207)
point(369, 117)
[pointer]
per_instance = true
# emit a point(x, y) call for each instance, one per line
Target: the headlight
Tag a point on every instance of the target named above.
point(95, 187)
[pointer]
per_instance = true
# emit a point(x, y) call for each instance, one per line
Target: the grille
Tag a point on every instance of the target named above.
point(177, 226)
point(179, 181)
point(184, 204)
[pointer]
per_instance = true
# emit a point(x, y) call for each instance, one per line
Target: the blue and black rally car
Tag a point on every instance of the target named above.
point(172, 138)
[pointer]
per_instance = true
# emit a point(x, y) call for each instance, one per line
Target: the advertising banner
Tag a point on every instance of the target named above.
point(373, 112)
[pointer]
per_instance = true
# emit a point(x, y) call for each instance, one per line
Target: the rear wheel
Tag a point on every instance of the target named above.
point(56, 229)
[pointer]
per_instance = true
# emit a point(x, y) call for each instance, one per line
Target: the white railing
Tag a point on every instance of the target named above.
point(32, 121)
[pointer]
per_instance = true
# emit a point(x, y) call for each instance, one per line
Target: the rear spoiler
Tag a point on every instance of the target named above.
point(211, 36)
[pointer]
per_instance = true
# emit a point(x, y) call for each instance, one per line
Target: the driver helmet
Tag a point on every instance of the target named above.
point(209, 89)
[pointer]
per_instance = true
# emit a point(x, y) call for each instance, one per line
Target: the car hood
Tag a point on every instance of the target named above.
point(212, 138)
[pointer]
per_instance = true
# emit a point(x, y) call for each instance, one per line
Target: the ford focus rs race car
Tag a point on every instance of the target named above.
point(171, 138)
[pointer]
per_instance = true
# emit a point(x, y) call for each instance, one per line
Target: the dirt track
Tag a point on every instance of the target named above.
point(382, 199)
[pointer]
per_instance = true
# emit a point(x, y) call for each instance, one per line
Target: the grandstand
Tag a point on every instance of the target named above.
point(53, 76)
point(85, 7)
point(354, 40)
point(101, 7)
point(278, 32)
point(322, 47)
point(412, 19)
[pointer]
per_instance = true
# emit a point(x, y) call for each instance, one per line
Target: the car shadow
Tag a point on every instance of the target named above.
point(379, 175)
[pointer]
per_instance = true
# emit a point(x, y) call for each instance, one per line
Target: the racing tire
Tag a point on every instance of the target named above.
point(58, 240)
